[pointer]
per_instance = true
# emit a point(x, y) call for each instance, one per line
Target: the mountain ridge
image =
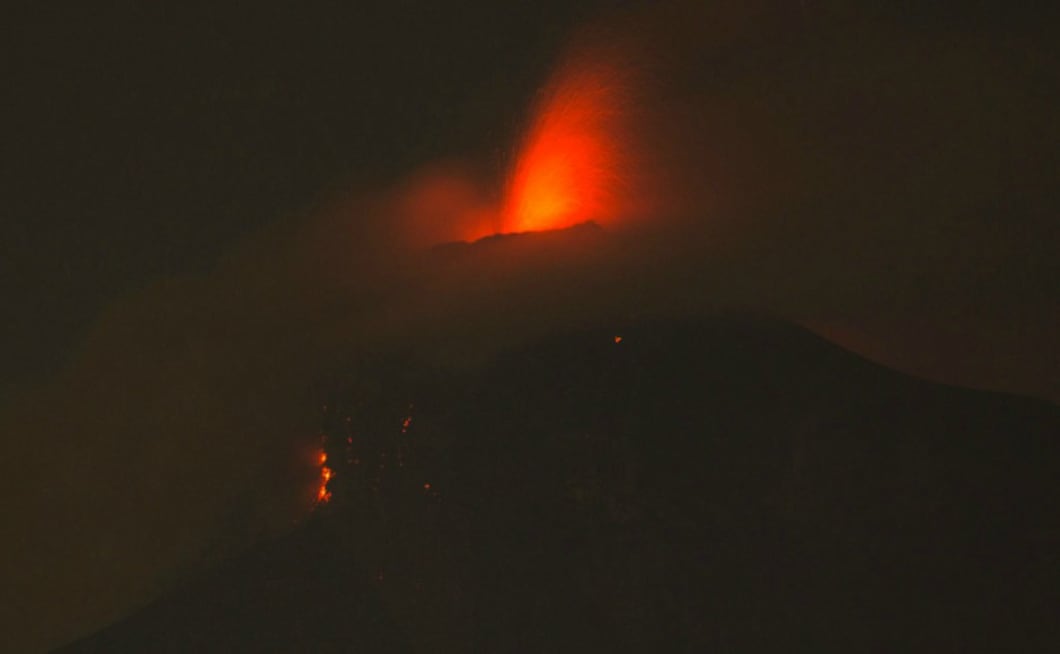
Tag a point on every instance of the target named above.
point(730, 482)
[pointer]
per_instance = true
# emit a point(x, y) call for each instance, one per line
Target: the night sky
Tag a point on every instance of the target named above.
point(200, 210)
point(142, 142)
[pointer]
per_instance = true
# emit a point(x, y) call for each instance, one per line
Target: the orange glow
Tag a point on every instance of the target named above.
point(323, 494)
point(618, 339)
point(570, 166)
point(442, 203)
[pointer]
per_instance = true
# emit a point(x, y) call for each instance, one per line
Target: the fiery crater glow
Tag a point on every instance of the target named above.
point(569, 168)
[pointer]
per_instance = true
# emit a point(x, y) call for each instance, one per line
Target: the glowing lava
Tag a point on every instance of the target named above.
point(323, 494)
point(569, 168)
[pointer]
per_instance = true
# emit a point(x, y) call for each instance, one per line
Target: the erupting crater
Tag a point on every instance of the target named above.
point(571, 162)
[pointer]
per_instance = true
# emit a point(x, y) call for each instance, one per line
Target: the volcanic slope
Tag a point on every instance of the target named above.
point(723, 484)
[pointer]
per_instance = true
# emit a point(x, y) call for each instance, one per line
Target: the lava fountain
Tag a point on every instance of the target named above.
point(572, 163)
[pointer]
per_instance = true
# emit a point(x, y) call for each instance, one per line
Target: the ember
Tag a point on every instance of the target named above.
point(323, 494)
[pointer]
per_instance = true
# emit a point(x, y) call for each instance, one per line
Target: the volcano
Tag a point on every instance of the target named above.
point(729, 483)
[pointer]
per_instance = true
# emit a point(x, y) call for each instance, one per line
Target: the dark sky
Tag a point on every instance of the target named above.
point(141, 140)
point(195, 203)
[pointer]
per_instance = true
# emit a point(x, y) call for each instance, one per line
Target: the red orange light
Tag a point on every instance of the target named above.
point(323, 494)
point(570, 164)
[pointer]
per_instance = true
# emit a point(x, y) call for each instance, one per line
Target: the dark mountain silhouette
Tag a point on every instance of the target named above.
point(725, 484)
